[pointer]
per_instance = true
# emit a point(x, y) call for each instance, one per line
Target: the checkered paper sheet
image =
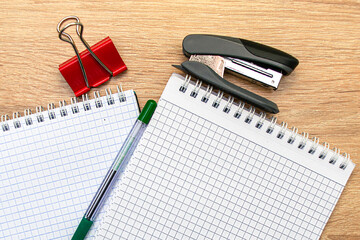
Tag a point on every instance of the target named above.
point(51, 170)
point(199, 173)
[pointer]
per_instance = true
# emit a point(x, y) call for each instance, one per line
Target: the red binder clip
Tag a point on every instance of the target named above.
point(93, 66)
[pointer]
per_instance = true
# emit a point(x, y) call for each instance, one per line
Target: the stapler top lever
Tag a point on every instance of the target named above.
point(260, 63)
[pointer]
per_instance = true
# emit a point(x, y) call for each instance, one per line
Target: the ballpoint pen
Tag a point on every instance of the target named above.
point(121, 160)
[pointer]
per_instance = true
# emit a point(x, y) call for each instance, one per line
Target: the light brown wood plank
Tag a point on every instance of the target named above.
point(321, 97)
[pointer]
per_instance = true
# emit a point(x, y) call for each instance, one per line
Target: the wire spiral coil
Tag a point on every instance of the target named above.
point(292, 134)
point(61, 111)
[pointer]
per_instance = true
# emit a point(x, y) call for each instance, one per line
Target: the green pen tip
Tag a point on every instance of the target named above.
point(147, 111)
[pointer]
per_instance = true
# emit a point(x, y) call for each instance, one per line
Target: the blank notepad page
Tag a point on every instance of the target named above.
point(51, 170)
point(199, 173)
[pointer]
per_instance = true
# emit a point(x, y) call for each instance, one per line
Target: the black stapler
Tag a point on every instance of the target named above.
point(211, 54)
point(262, 64)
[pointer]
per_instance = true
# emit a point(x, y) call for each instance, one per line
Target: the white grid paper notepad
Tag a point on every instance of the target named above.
point(201, 173)
point(51, 170)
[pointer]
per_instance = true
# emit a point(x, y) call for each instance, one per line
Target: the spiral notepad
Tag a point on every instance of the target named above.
point(206, 168)
point(52, 162)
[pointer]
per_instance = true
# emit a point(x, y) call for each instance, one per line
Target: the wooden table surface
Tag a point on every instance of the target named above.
point(321, 97)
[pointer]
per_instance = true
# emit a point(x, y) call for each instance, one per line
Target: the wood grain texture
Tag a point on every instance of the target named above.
point(321, 97)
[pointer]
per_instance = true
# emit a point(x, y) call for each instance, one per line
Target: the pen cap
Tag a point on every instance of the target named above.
point(82, 229)
point(147, 111)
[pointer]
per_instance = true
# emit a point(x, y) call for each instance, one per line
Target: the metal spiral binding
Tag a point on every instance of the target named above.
point(63, 111)
point(262, 118)
point(270, 129)
point(74, 106)
point(109, 98)
point(196, 89)
point(304, 137)
point(122, 97)
point(335, 156)
point(325, 150)
point(250, 116)
point(303, 141)
point(217, 101)
point(185, 84)
point(39, 115)
point(98, 102)
point(293, 135)
point(207, 94)
point(51, 111)
point(239, 111)
point(86, 104)
point(5, 126)
point(346, 161)
point(314, 146)
point(16, 121)
point(28, 119)
point(228, 105)
point(281, 133)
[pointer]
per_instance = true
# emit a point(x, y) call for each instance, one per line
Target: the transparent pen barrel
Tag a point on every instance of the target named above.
point(118, 166)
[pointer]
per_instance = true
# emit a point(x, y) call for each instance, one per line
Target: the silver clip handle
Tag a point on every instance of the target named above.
point(67, 38)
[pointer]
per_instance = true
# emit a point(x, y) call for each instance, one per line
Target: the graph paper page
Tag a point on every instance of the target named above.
point(51, 170)
point(199, 173)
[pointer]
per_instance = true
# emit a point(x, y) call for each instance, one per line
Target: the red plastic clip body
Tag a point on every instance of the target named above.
point(105, 50)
